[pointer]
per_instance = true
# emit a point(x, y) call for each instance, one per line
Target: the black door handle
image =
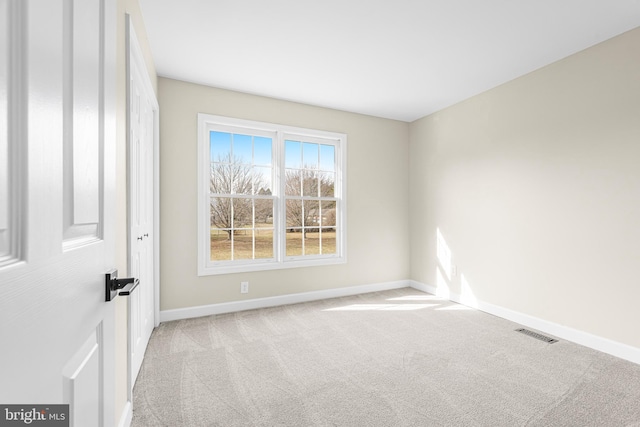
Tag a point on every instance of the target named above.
point(127, 285)
point(115, 286)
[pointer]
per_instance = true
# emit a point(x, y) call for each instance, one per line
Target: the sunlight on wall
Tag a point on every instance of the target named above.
point(442, 287)
point(444, 254)
point(466, 293)
point(444, 266)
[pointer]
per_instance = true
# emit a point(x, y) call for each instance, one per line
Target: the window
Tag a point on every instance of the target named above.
point(270, 196)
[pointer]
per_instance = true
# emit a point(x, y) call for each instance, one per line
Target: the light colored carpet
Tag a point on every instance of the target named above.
point(393, 358)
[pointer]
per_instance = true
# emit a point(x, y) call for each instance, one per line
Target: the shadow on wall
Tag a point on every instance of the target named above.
point(446, 273)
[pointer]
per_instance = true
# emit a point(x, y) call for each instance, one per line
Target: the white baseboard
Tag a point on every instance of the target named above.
point(595, 342)
point(127, 415)
point(230, 307)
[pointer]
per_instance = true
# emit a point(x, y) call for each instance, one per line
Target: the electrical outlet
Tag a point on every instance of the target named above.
point(244, 287)
point(454, 270)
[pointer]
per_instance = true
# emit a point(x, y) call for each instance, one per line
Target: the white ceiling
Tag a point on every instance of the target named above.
point(400, 59)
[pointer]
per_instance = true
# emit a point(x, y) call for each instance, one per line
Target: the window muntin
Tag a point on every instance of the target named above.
point(275, 196)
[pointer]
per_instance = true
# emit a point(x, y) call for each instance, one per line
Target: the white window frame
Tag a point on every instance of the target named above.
point(207, 123)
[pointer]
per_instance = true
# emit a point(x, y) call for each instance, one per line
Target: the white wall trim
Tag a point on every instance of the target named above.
point(230, 307)
point(595, 342)
point(127, 415)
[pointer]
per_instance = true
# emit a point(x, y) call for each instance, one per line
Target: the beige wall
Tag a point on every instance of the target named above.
point(131, 7)
point(377, 197)
point(535, 185)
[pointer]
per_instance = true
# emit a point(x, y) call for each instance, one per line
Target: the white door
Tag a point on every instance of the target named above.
point(142, 113)
point(57, 176)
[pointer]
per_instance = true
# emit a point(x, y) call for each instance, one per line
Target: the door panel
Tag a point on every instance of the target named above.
point(84, 57)
point(82, 98)
point(80, 387)
point(59, 79)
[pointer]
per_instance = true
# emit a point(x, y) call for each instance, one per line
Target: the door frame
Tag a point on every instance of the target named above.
point(134, 55)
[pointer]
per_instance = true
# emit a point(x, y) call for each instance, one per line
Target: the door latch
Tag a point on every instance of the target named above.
point(115, 286)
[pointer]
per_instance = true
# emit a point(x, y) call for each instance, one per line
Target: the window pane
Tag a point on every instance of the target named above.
point(264, 213)
point(262, 181)
point(220, 228)
point(328, 214)
point(328, 240)
point(219, 146)
point(262, 151)
point(327, 157)
point(309, 183)
point(264, 243)
point(310, 155)
point(242, 213)
point(327, 184)
point(293, 155)
point(294, 242)
point(292, 183)
point(243, 244)
point(328, 230)
point(312, 242)
point(294, 213)
point(220, 212)
point(242, 176)
point(242, 150)
point(220, 245)
point(221, 178)
point(311, 213)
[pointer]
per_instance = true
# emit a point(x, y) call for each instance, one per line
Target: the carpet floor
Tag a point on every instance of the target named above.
point(392, 358)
